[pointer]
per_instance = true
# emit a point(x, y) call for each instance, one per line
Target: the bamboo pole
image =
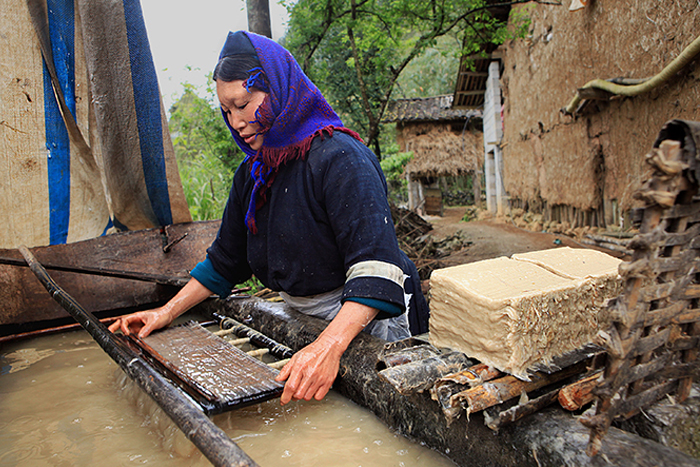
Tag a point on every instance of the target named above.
point(503, 389)
point(576, 395)
point(209, 438)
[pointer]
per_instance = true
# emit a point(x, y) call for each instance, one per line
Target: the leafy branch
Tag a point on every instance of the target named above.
point(356, 50)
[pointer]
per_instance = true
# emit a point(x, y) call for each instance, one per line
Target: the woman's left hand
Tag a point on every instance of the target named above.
point(311, 371)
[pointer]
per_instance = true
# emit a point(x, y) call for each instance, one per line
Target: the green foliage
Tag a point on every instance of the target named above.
point(431, 74)
point(471, 214)
point(206, 181)
point(393, 168)
point(197, 128)
point(206, 153)
point(356, 50)
point(254, 284)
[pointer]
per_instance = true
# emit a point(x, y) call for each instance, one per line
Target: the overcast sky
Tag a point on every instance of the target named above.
point(187, 33)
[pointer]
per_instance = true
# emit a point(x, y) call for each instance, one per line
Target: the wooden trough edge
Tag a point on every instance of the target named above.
point(533, 441)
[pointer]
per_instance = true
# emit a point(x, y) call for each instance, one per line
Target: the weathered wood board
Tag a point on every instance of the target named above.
point(24, 300)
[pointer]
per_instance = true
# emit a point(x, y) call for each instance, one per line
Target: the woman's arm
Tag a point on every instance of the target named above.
point(311, 371)
point(145, 322)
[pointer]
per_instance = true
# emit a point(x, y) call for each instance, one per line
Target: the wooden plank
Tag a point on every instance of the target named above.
point(690, 292)
point(688, 316)
point(24, 300)
point(631, 405)
point(691, 211)
point(650, 343)
point(664, 316)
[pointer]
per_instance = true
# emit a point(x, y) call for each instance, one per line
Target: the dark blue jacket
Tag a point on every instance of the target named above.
point(326, 224)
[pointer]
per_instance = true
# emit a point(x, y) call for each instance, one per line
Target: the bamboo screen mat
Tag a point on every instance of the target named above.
point(218, 375)
point(652, 347)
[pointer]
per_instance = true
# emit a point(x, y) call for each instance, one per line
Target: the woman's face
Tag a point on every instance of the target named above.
point(239, 106)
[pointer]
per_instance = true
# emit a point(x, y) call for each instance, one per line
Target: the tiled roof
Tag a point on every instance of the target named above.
point(437, 108)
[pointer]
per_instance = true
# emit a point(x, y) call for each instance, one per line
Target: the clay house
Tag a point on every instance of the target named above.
point(575, 155)
point(572, 158)
point(446, 144)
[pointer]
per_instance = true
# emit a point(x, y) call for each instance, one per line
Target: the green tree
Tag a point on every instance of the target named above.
point(356, 50)
point(433, 73)
point(206, 153)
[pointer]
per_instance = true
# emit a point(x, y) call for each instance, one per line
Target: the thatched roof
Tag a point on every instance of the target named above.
point(437, 108)
point(440, 152)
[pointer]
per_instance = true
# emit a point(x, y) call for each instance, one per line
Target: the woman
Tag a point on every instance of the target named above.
point(307, 215)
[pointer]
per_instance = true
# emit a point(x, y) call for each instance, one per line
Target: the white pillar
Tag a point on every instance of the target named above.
point(489, 174)
point(500, 187)
point(493, 133)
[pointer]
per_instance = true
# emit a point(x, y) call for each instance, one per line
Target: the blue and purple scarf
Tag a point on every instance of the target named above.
point(291, 116)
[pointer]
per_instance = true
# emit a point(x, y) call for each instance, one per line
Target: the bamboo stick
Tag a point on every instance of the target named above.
point(261, 340)
point(503, 389)
point(522, 410)
point(279, 363)
point(258, 352)
point(239, 341)
point(54, 330)
point(576, 395)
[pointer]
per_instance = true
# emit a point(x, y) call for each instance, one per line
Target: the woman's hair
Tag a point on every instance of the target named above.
point(236, 67)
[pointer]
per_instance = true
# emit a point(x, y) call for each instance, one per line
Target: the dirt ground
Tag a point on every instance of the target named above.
point(491, 238)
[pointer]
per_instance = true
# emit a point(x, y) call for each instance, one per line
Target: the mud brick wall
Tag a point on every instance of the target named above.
point(596, 161)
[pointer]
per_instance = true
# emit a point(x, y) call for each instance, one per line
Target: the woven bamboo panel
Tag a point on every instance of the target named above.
point(652, 346)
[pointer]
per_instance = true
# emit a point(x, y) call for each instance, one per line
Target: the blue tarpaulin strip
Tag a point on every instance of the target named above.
point(147, 101)
point(62, 33)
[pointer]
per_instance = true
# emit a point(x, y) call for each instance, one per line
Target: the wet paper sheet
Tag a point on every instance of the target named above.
point(218, 375)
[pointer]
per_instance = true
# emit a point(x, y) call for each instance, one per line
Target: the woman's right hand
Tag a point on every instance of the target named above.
point(142, 322)
point(145, 322)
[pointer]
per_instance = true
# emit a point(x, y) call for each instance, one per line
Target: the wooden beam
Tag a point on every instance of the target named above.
point(471, 93)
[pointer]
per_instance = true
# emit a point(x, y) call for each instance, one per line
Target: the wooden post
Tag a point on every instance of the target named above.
point(259, 17)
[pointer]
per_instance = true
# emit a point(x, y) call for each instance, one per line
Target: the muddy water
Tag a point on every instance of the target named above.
point(63, 402)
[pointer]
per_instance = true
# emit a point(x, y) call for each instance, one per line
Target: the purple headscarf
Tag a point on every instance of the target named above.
point(292, 114)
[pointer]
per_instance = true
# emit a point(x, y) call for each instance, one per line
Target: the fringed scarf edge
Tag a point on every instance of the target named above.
point(267, 161)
